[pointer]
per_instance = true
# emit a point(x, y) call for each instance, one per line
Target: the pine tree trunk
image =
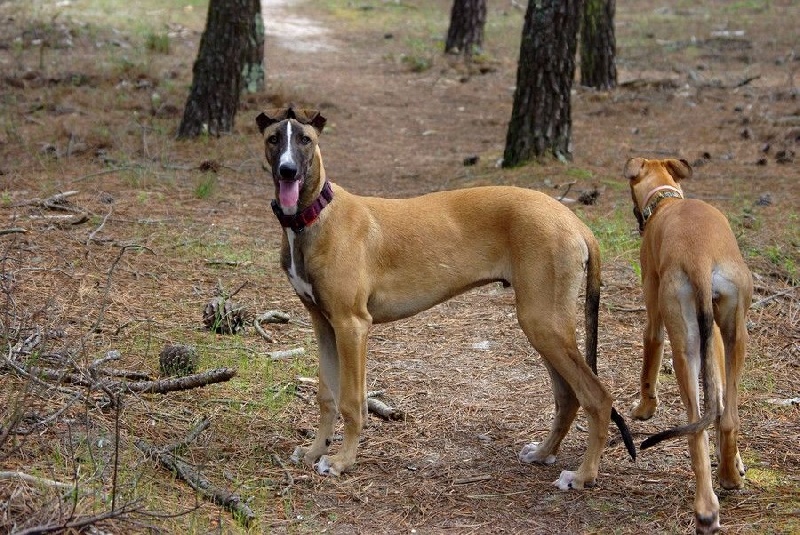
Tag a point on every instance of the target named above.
point(227, 63)
point(598, 45)
point(465, 34)
point(541, 120)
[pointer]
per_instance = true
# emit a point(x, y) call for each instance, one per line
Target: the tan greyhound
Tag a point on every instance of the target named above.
point(355, 261)
point(697, 285)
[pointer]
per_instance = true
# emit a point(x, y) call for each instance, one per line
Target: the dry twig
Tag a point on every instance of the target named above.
point(195, 479)
point(286, 353)
point(382, 410)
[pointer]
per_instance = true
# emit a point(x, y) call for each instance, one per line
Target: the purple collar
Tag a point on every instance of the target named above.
point(297, 222)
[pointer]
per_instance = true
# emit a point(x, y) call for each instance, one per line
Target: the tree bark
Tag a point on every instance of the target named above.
point(229, 61)
point(467, 21)
point(598, 45)
point(541, 120)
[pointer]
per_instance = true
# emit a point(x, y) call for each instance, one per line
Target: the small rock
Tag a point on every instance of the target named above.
point(764, 200)
point(784, 156)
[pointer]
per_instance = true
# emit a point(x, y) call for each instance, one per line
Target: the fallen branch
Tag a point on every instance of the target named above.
point(473, 479)
point(162, 386)
point(289, 478)
point(81, 521)
point(771, 297)
point(286, 353)
point(12, 230)
point(133, 375)
point(271, 316)
point(54, 201)
point(569, 187)
point(191, 436)
point(198, 482)
point(100, 227)
point(22, 476)
point(382, 410)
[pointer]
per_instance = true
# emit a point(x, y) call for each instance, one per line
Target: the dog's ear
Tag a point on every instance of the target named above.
point(679, 169)
point(318, 121)
point(311, 117)
point(633, 167)
point(269, 117)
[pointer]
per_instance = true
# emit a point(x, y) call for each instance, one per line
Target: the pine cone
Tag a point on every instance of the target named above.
point(176, 359)
point(223, 316)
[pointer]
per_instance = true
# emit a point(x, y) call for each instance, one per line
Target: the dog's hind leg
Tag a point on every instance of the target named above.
point(326, 392)
point(552, 334)
point(565, 411)
point(731, 314)
point(684, 335)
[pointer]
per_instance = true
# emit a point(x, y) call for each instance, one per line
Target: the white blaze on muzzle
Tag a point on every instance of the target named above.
point(288, 172)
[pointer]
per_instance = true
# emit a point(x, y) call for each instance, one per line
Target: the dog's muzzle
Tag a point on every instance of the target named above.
point(287, 171)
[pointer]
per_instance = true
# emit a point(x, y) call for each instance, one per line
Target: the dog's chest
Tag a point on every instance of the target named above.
point(295, 268)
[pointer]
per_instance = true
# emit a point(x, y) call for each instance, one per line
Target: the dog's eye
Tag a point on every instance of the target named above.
point(305, 140)
point(273, 139)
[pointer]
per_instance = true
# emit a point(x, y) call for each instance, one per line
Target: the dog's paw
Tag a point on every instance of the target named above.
point(327, 467)
point(531, 454)
point(645, 409)
point(740, 467)
point(569, 480)
point(323, 466)
point(298, 455)
point(706, 524)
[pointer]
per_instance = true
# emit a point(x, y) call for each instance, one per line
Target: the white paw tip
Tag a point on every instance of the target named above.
point(323, 466)
point(565, 480)
point(529, 455)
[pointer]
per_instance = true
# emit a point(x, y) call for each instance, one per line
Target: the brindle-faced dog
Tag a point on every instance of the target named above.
point(698, 286)
point(355, 261)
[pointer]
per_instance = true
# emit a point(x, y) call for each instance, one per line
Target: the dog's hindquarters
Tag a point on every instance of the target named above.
point(689, 315)
point(547, 316)
point(686, 301)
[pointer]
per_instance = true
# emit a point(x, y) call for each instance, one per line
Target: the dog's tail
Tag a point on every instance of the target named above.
point(592, 306)
point(591, 314)
point(709, 374)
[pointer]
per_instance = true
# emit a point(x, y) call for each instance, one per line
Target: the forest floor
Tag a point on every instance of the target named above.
point(150, 228)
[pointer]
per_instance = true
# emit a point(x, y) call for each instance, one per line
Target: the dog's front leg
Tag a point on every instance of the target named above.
point(326, 393)
point(351, 347)
point(653, 353)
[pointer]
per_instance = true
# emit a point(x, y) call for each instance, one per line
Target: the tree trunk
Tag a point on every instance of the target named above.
point(229, 61)
point(598, 45)
point(465, 34)
point(541, 120)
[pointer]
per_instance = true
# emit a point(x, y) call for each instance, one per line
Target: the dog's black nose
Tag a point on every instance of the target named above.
point(288, 171)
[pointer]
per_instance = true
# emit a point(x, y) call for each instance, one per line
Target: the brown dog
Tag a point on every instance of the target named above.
point(355, 261)
point(697, 284)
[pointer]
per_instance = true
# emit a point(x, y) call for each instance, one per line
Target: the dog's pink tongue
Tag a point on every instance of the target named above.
point(288, 193)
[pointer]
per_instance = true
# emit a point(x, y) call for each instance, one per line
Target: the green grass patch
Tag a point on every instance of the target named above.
point(205, 186)
point(157, 42)
point(615, 232)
